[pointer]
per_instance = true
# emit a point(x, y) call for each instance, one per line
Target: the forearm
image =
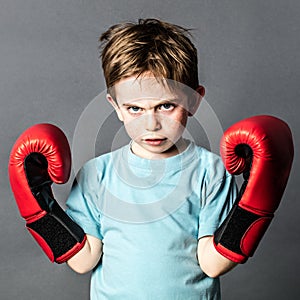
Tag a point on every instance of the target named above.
point(88, 257)
point(211, 261)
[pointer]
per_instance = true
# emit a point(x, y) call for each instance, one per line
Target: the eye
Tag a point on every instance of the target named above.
point(134, 109)
point(166, 107)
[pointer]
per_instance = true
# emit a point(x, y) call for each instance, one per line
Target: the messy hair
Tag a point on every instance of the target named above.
point(150, 45)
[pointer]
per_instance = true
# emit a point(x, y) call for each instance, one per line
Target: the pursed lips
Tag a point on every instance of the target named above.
point(154, 141)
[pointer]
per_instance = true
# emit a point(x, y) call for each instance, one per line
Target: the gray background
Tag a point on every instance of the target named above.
point(49, 72)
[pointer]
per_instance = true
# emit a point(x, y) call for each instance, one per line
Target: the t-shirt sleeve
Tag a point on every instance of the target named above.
point(218, 193)
point(83, 199)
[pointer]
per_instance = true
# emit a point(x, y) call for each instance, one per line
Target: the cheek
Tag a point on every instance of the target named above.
point(133, 126)
point(175, 124)
point(178, 119)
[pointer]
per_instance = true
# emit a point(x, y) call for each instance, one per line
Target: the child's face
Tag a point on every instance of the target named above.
point(154, 115)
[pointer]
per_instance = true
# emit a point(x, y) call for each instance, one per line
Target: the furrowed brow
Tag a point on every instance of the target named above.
point(164, 101)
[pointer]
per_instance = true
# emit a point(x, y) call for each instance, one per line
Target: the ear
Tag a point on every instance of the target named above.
point(115, 105)
point(200, 92)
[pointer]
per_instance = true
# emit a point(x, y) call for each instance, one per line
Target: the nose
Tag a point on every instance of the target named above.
point(152, 122)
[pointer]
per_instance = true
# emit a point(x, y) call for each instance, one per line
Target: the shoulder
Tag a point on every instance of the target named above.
point(211, 169)
point(104, 159)
point(208, 159)
point(98, 166)
point(216, 181)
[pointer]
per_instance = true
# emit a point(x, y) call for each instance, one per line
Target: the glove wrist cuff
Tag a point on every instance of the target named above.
point(239, 235)
point(63, 237)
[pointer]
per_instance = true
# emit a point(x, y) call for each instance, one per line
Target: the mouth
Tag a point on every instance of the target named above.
point(154, 141)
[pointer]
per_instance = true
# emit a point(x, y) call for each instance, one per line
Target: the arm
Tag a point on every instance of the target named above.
point(252, 147)
point(261, 148)
point(41, 156)
point(88, 257)
point(211, 261)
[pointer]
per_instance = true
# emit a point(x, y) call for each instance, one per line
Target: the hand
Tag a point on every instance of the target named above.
point(41, 156)
point(261, 148)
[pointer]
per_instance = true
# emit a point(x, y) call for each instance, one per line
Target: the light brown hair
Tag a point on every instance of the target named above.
point(150, 45)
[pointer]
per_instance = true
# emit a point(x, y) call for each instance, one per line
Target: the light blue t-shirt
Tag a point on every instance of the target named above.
point(149, 215)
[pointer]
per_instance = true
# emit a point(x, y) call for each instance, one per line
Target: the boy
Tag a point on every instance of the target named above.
point(150, 209)
point(146, 218)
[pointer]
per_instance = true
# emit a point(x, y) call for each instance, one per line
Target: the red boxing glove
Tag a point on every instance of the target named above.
point(41, 156)
point(261, 148)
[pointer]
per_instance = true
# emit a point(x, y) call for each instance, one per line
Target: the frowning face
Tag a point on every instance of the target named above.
point(154, 115)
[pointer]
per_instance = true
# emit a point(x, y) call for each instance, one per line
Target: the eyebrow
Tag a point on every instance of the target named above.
point(175, 101)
